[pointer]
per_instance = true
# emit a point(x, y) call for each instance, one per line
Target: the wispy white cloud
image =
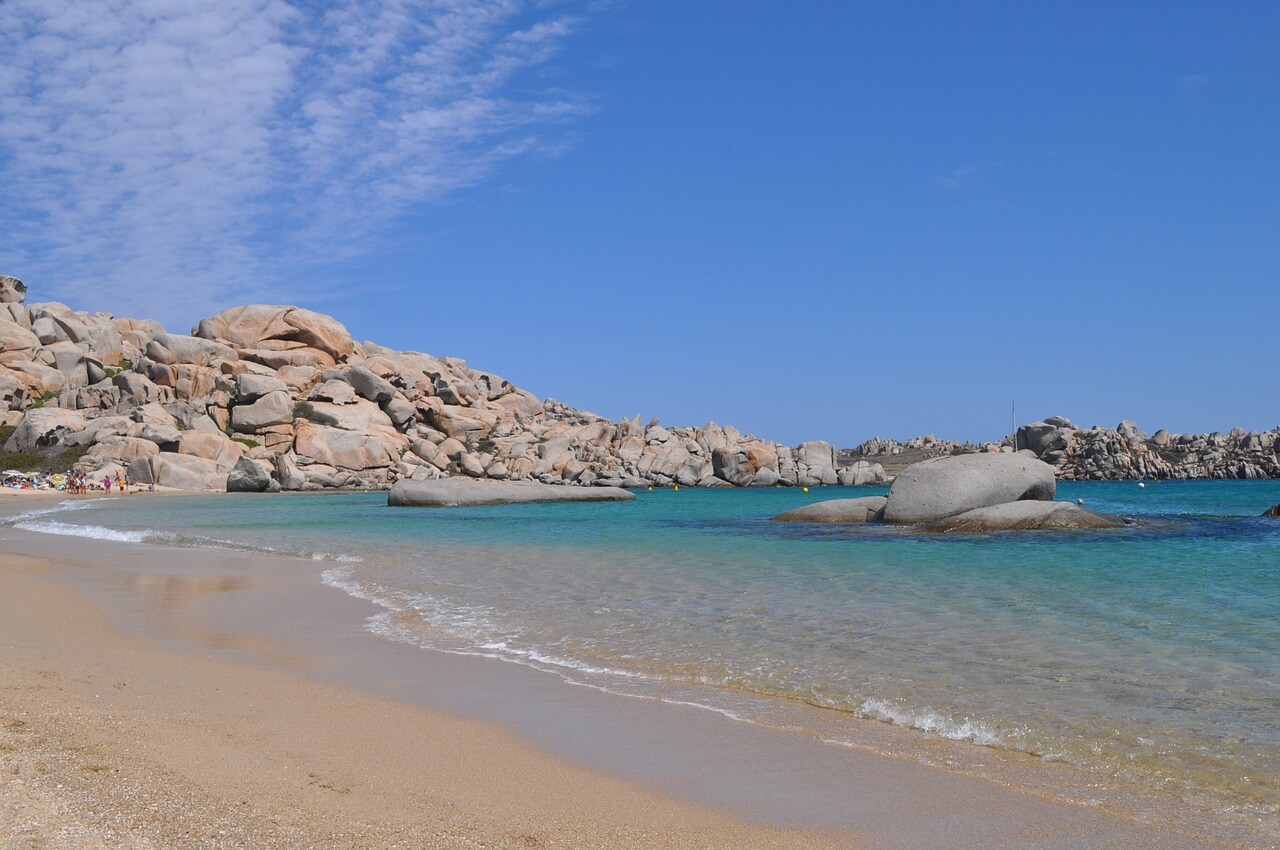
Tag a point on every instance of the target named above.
point(958, 176)
point(167, 157)
point(966, 175)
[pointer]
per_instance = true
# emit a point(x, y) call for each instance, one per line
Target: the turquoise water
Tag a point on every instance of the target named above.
point(1150, 655)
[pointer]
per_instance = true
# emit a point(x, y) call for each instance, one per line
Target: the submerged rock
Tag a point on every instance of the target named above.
point(464, 491)
point(1025, 516)
point(850, 511)
point(942, 487)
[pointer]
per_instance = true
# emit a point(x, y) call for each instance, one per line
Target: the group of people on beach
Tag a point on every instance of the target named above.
point(79, 484)
point(71, 482)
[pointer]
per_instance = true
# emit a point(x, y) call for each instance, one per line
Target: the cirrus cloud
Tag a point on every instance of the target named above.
point(166, 157)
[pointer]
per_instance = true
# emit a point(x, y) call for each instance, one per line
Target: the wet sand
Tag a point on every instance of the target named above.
point(162, 697)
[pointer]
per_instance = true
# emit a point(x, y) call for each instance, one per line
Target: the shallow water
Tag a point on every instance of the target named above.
point(1150, 655)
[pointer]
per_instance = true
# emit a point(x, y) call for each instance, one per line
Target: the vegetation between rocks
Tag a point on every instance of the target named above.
point(305, 410)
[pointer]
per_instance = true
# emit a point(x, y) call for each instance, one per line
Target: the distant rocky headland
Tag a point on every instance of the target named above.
point(1124, 453)
point(270, 397)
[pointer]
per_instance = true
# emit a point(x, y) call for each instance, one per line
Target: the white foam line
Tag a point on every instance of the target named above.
point(60, 507)
point(923, 720)
point(35, 521)
point(93, 532)
point(927, 720)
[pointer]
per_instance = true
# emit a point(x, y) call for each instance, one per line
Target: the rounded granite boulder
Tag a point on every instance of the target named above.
point(946, 486)
point(1026, 516)
point(851, 511)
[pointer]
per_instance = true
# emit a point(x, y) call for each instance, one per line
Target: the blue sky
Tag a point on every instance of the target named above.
point(815, 220)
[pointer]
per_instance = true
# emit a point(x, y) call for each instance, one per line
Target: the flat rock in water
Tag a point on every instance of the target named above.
point(448, 492)
point(1274, 510)
point(863, 509)
point(946, 486)
point(1026, 516)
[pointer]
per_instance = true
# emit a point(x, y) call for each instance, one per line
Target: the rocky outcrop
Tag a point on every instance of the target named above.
point(843, 511)
point(1104, 454)
point(1273, 511)
point(943, 487)
point(277, 335)
point(453, 492)
point(1026, 516)
point(290, 391)
point(1127, 453)
point(293, 392)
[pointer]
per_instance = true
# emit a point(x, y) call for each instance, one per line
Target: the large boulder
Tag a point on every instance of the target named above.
point(251, 387)
point(363, 416)
point(942, 487)
point(335, 392)
point(170, 349)
point(12, 290)
point(1046, 436)
point(344, 449)
point(370, 386)
point(449, 492)
point(79, 367)
point(181, 472)
point(45, 426)
point(17, 344)
point(118, 450)
point(1025, 516)
point(39, 378)
point(210, 445)
point(274, 327)
point(13, 391)
point(247, 476)
point(400, 411)
point(864, 509)
point(288, 474)
point(274, 408)
point(138, 388)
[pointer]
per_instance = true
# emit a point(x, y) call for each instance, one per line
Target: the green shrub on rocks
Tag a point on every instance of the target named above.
point(305, 410)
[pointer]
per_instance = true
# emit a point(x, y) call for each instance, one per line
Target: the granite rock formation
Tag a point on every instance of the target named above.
point(285, 392)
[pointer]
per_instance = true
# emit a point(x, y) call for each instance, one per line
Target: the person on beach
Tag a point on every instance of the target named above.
point(106, 484)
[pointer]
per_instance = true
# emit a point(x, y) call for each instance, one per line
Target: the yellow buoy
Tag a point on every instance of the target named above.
point(677, 486)
point(650, 489)
point(806, 489)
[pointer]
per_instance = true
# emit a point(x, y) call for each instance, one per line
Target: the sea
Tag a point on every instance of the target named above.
point(1146, 657)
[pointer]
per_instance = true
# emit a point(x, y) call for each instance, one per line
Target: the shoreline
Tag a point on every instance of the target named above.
point(216, 607)
point(108, 740)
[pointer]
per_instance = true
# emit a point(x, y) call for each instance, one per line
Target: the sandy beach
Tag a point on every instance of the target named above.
point(161, 697)
point(107, 741)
